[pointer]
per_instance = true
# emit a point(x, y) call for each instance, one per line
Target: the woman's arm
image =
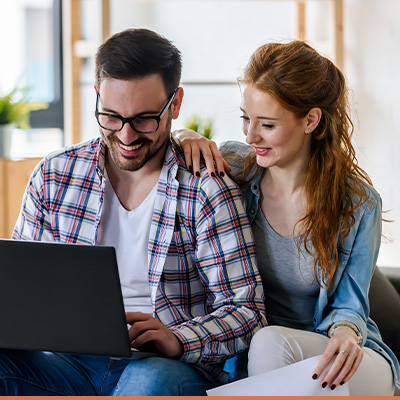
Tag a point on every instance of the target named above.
point(349, 302)
point(194, 146)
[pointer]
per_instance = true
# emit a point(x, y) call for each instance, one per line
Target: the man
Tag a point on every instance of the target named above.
point(184, 247)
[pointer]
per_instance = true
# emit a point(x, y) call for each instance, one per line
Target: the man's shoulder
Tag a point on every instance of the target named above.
point(85, 153)
point(211, 185)
point(87, 149)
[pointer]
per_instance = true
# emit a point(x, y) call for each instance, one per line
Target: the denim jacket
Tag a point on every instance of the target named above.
point(347, 300)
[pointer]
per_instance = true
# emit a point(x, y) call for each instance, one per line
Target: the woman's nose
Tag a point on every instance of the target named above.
point(252, 135)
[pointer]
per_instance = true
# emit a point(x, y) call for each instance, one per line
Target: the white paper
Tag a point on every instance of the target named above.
point(293, 380)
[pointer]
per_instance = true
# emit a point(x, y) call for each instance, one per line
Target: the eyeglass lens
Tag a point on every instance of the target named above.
point(113, 123)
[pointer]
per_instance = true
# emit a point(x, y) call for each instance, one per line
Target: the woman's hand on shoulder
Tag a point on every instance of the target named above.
point(194, 146)
point(346, 354)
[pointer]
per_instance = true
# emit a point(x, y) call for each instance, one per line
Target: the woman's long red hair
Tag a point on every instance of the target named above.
point(299, 78)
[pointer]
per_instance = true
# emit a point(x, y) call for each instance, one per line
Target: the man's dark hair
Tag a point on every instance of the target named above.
point(135, 53)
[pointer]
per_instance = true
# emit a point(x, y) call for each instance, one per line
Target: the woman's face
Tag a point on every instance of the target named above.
point(278, 137)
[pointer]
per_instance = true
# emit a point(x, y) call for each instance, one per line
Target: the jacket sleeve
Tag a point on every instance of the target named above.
point(241, 158)
point(225, 259)
point(348, 300)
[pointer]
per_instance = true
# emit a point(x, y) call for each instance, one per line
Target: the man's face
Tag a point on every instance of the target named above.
point(143, 97)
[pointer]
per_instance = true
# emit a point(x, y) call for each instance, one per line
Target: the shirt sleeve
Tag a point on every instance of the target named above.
point(33, 221)
point(225, 258)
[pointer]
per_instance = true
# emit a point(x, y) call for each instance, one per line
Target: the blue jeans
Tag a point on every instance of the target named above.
point(41, 373)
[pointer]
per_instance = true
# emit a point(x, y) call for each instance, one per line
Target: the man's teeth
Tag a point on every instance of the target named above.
point(131, 148)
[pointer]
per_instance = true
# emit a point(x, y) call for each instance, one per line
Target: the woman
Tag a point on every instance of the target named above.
point(315, 216)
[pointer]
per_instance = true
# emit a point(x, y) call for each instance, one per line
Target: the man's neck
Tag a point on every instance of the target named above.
point(132, 187)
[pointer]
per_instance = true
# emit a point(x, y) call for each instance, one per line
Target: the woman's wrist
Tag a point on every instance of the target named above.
point(344, 325)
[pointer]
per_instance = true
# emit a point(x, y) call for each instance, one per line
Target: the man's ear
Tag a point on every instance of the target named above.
point(177, 102)
point(312, 119)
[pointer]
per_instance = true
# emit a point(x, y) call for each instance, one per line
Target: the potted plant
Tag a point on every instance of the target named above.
point(15, 110)
point(200, 125)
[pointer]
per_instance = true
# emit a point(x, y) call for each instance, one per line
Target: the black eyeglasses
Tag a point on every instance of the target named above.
point(114, 123)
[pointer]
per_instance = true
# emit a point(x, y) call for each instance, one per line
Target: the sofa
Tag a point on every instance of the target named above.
point(384, 299)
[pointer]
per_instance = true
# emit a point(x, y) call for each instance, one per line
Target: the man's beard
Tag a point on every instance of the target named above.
point(134, 163)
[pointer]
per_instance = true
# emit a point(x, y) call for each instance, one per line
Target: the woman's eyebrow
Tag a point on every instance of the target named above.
point(260, 117)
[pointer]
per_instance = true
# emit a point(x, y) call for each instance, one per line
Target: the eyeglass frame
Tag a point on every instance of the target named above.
point(129, 120)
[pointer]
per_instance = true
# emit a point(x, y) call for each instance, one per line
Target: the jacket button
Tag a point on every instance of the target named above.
point(251, 211)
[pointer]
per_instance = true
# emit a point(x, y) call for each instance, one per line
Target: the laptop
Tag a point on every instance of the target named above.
point(62, 298)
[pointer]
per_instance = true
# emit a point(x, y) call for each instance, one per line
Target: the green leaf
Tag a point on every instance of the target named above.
point(201, 125)
point(16, 109)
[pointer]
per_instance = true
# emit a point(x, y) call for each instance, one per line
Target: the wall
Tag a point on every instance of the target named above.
point(372, 65)
point(217, 37)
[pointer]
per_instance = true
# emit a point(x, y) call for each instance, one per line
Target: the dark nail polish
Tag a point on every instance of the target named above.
point(324, 385)
point(213, 174)
point(198, 174)
point(221, 174)
point(342, 383)
point(333, 387)
point(190, 168)
point(315, 376)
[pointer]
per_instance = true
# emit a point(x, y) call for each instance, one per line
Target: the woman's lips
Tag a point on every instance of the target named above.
point(262, 151)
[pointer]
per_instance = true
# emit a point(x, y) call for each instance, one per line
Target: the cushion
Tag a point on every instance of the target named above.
point(385, 310)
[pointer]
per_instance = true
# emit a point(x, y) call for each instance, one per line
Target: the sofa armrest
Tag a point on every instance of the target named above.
point(384, 302)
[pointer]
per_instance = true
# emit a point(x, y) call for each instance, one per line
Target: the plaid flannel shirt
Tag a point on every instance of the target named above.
point(203, 279)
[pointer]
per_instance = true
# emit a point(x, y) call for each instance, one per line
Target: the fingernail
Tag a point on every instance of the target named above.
point(315, 376)
point(221, 174)
point(198, 174)
point(213, 174)
point(333, 387)
point(342, 383)
point(324, 385)
point(190, 168)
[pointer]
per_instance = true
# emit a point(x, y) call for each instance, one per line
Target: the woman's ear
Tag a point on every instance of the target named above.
point(312, 119)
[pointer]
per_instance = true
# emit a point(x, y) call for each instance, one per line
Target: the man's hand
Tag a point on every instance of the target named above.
point(146, 330)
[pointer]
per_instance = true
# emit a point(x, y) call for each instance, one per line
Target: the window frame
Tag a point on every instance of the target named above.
point(53, 116)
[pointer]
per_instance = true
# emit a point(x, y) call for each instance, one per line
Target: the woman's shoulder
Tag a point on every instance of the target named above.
point(370, 200)
point(242, 159)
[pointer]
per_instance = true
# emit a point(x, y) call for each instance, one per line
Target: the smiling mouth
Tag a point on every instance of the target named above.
point(262, 150)
point(131, 147)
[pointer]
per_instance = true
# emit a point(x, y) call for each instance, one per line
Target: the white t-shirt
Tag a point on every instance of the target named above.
point(128, 232)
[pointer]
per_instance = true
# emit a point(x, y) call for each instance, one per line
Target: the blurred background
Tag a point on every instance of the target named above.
point(49, 47)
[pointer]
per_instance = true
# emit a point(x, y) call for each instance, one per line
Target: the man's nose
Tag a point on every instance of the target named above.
point(127, 134)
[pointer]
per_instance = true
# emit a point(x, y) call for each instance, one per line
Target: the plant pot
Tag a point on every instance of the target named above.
point(6, 132)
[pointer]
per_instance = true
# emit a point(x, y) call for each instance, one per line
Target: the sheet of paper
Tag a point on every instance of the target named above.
point(293, 380)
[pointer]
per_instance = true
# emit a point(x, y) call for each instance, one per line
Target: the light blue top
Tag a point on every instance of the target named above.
point(347, 300)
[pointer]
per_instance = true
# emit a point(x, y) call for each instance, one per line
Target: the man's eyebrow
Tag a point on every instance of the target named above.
point(143, 113)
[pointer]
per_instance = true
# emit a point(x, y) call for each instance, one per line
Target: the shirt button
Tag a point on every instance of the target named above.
point(255, 187)
point(251, 211)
